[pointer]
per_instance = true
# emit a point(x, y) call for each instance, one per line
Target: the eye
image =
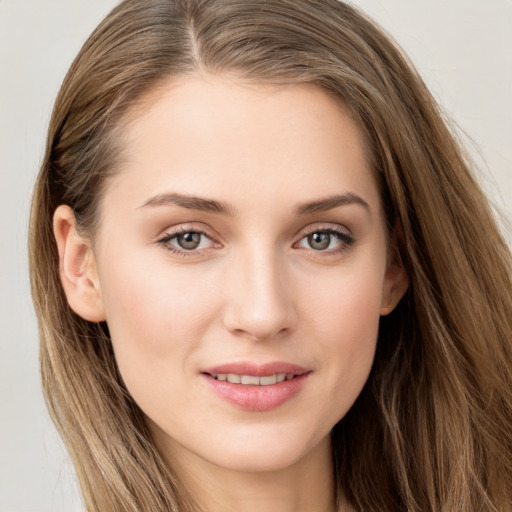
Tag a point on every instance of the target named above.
point(326, 240)
point(186, 241)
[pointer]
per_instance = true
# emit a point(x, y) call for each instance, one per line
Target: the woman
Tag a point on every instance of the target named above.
point(264, 275)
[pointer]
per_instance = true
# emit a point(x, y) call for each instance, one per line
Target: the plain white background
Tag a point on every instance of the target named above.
point(463, 49)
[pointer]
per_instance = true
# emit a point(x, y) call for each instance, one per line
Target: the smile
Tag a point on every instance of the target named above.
point(254, 380)
point(254, 387)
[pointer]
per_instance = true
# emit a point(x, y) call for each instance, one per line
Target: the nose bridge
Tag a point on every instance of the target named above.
point(260, 304)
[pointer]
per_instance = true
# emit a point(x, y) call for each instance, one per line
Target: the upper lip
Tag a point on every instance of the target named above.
point(257, 370)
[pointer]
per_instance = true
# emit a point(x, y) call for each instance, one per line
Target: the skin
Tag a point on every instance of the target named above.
point(255, 289)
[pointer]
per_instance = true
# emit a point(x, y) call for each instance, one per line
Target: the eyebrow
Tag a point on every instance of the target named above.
point(332, 202)
point(223, 208)
point(191, 203)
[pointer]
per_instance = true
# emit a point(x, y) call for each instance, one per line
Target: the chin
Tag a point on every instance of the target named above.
point(259, 464)
point(276, 454)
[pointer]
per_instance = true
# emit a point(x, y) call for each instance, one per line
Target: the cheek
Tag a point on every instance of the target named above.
point(156, 319)
point(153, 297)
point(344, 320)
point(348, 305)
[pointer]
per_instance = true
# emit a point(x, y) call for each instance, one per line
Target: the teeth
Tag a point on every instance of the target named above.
point(268, 380)
point(249, 379)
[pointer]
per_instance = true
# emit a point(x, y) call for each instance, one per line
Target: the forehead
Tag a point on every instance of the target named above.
point(221, 136)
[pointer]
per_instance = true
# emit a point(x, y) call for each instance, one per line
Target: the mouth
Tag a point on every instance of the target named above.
point(253, 380)
point(255, 387)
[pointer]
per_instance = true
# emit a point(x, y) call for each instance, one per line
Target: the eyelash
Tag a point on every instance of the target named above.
point(165, 241)
point(346, 240)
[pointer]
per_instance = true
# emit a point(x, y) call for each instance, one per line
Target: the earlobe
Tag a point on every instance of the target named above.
point(396, 280)
point(77, 267)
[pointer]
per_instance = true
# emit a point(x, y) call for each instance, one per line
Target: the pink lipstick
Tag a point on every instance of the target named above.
point(256, 387)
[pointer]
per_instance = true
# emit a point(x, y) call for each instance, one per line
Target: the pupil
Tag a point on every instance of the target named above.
point(189, 240)
point(319, 241)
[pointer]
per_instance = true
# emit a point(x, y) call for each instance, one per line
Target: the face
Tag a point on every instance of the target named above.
point(242, 267)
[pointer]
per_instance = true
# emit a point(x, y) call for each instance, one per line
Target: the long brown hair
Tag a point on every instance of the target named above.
point(432, 429)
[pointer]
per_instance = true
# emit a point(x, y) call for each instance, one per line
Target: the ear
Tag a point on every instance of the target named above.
point(396, 280)
point(77, 267)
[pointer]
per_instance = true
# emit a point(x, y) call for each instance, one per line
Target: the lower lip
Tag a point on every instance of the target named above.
point(257, 398)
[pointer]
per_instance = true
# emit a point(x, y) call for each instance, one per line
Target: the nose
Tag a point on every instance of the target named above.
point(260, 303)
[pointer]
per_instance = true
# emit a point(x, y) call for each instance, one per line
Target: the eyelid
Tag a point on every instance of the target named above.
point(344, 235)
point(185, 228)
point(323, 226)
point(170, 233)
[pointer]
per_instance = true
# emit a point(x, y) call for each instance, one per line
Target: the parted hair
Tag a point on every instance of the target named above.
point(432, 428)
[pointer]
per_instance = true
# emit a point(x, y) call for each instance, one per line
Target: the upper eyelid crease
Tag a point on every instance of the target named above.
point(341, 234)
point(173, 233)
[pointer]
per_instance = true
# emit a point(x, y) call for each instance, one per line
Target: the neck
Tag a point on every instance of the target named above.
point(304, 486)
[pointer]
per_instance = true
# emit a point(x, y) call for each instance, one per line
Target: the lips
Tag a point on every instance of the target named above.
point(254, 380)
point(256, 387)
